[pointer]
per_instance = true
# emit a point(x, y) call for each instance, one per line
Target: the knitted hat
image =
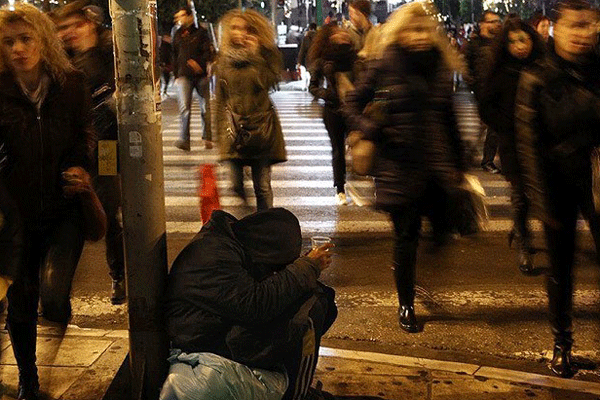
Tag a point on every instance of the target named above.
point(364, 6)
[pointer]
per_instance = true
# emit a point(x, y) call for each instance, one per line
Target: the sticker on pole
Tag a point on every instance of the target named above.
point(135, 145)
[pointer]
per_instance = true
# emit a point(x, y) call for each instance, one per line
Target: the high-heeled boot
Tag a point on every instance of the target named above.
point(525, 257)
point(23, 340)
point(404, 276)
point(562, 363)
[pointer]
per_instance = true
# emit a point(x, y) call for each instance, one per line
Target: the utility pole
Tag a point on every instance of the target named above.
point(274, 14)
point(140, 147)
point(319, 12)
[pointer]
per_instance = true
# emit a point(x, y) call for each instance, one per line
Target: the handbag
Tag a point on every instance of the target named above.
point(362, 153)
point(250, 133)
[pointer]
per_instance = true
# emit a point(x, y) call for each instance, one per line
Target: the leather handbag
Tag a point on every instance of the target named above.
point(362, 153)
point(250, 133)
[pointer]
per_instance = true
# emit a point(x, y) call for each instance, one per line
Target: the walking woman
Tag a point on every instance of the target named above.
point(332, 54)
point(248, 67)
point(419, 154)
point(517, 47)
point(45, 140)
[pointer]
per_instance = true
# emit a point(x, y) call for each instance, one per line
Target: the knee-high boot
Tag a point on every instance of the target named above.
point(405, 260)
point(23, 340)
point(561, 308)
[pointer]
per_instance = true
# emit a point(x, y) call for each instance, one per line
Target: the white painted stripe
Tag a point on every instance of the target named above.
point(290, 138)
point(474, 370)
point(358, 226)
point(186, 159)
point(276, 184)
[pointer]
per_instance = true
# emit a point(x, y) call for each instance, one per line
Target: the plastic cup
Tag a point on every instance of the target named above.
point(318, 241)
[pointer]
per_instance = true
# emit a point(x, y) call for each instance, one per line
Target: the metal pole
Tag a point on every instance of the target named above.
point(274, 14)
point(319, 12)
point(472, 12)
point(140, 146)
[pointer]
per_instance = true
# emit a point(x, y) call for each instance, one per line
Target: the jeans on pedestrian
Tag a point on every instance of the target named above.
point(185, 91)
point(261, 180)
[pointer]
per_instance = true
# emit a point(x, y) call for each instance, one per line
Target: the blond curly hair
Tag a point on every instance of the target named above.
point(402, 17)
point(259, 27)
point(52, 53)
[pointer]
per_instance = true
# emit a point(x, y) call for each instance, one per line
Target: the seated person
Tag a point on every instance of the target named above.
point(245, 312)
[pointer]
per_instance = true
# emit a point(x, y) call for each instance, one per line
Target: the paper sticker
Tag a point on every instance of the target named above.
point(107, 157)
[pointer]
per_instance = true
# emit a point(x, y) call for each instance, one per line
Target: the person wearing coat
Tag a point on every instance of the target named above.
point(45, 143)
point(332, 56)
point(419, 154)
point(230, 292)
point(558, 115)
point(516, 47)
point(250, 133)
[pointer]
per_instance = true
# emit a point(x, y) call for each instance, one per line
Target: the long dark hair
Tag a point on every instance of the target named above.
point(499, 52)
point(321, 44)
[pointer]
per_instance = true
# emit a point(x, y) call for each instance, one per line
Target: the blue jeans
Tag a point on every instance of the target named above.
point(261, 179)
point(185, 91)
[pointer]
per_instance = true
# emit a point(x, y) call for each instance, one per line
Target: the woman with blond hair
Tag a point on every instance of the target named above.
point(45, 139)
point(419, 156)
point(248, 67)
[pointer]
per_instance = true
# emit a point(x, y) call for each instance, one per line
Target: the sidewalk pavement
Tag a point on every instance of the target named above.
point(81, 364)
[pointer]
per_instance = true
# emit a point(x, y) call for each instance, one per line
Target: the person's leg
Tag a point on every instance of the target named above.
point(490, 147)
point(203, 89)
point(166, 75)
point(336, 129)
point(261, 179)
point(237, 178)
point(407, 224)
point(560, 238)
point(65, 244)
point(21, 320)
point(520, 232)
point(184, 99)
point(108, 189)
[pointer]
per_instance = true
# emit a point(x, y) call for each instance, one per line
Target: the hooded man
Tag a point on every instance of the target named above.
point(241, 301)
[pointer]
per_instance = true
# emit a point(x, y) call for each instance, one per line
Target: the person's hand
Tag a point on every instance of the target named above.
point(195, 66)
point(322, 255)
point(76, 181)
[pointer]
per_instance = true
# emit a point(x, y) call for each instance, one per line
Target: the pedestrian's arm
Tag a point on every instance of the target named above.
point(357, 100)
point(317, 78)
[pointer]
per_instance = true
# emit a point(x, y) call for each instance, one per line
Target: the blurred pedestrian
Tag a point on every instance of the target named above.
point(165, 60)
point(331, 56)
point(360, 25)
point(192, 54)
point(46, 139)
point(541, 24)
point(558, 114)
point(248, 67)
point(419, 159)
point(477, 56)
point(90, 45)
point(516, 47)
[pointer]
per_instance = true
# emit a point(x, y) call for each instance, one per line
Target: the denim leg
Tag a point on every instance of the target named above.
point(202, 87)
point(58, 268)
point(184, 99)
point(261, 178)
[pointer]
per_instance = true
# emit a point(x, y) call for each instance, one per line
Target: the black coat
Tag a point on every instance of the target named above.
point(191, 44)
point(497, 110)
point(39, 146)
point(11, 234)
point(417, 136)
point(558, 115)
point(225, 278)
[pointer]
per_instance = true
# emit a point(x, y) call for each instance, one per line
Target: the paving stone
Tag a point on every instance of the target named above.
point(67, 351)
point(53, 381)
point(384, 387)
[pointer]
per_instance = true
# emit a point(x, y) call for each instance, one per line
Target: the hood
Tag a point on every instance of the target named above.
point(270, 237)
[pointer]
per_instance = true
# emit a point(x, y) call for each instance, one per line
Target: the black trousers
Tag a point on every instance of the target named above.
point(566, 199)
point(336, 129)
point(520, 208)
point(490, 146)
point(108, 189)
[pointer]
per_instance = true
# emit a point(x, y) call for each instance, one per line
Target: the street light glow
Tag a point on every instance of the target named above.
point(11, 4)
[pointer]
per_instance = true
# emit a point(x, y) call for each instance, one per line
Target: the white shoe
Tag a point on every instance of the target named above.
point(341, 200)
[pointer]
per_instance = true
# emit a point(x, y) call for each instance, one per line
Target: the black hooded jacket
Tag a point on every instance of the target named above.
point(236, 272)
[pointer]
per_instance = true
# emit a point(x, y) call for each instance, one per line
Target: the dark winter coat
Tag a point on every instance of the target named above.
point(497, 110)
point(478, 54)
point(39, 146)
point(325, 71)
point(11, 234)
point(417, 136)
point(236, 273)
point(305, 47)
point(243, 87)
point(191, 44)
point(558, 115)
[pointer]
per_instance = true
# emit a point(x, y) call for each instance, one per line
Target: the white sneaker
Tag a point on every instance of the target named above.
point(341, 200)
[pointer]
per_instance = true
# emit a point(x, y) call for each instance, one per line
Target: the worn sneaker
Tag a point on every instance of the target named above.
point(208, 145)
point(118, 295)
point(341, 199)
point(182, 145)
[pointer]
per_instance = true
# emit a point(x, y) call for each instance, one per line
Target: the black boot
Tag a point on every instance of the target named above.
point(562, 364)
point(525, 261)
point(407, 319)
point(23, 337)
